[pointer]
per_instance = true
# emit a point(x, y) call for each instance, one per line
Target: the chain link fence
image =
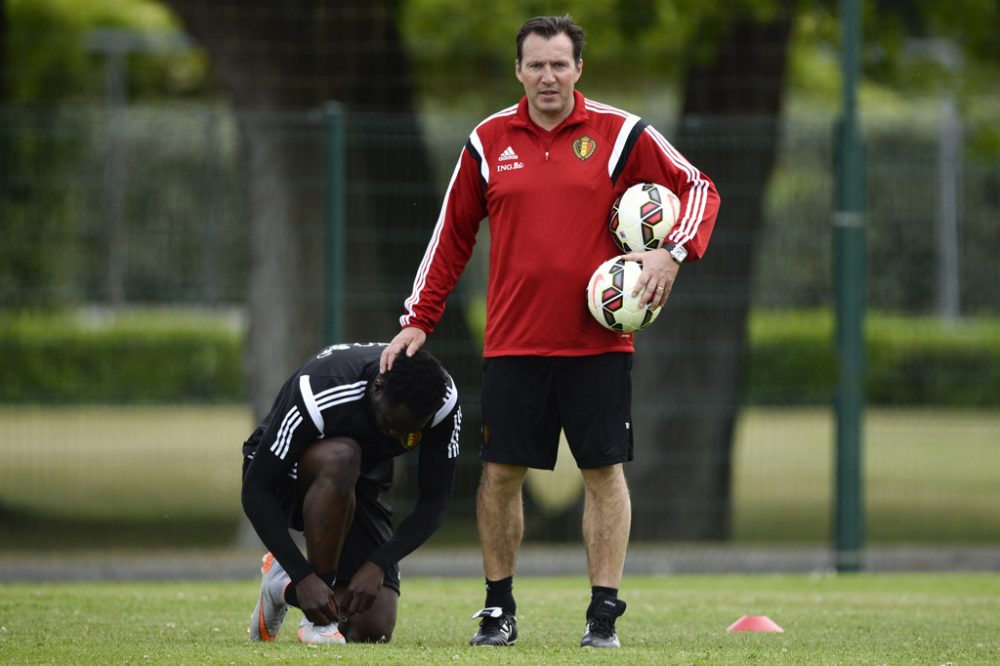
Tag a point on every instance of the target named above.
point(139, 214)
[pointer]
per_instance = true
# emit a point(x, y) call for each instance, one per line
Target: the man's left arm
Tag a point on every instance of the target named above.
point(435, 480)
point(655, 160)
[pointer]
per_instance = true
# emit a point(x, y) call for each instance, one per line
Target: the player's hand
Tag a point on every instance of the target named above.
point(659, 270)
point(317, 601)
point(407, 341)
point(362, 590)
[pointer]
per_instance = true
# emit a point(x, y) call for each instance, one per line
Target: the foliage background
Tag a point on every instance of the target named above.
point(182, 197)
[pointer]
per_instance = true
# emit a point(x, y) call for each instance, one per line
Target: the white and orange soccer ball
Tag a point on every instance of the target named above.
point(610, 300)
point(643, 216)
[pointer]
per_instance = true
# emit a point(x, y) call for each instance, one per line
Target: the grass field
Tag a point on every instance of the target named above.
point(170, 475)
point(855, 619)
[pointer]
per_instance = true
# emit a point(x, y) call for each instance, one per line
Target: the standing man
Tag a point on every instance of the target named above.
point(318, 463)
point(545, 172)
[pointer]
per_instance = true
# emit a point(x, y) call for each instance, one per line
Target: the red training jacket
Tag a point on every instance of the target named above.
point(548, 196)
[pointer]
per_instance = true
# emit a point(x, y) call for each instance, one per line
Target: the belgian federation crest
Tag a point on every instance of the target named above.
point(410, 440)
point(584, 147)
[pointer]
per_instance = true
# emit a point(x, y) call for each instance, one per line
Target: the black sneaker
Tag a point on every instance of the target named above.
point(496, 627)
point(600, 631)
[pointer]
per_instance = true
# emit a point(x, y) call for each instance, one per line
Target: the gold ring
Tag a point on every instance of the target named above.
point(660, 289)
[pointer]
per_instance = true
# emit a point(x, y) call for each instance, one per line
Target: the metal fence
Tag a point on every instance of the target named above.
point(143, 209)
point(145, 205)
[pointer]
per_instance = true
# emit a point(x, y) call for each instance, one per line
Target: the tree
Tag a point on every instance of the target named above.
point(731, 114)
point(4, 71)
point(694, 356)
point(277, 63)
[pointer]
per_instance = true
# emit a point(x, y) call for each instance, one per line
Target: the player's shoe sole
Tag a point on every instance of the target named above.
point(269, 613)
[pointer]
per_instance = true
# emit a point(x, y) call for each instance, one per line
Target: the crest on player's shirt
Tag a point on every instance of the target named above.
point(410, 440)
point(584, 147)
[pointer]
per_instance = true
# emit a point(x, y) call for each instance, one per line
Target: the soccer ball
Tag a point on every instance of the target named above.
point(643, 216)
point(610, 300)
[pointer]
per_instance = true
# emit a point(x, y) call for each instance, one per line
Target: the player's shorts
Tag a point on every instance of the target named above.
point(527, 400)
point(371, 528)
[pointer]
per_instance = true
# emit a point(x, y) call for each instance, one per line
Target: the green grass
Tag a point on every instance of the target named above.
point(855, 619)
point(153, 476)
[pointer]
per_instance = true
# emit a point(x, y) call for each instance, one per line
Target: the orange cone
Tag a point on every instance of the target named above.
point(760, 623)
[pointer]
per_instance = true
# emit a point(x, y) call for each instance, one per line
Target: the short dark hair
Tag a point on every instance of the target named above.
point(550, 26)
point(417, 381)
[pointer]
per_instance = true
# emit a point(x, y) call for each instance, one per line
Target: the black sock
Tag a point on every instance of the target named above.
point(597, 593)
point(501, 593)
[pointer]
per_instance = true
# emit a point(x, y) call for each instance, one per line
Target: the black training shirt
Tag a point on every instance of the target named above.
point(328, 397)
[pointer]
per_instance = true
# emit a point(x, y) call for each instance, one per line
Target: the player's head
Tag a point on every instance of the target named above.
point(548, 27)
point(405, 398)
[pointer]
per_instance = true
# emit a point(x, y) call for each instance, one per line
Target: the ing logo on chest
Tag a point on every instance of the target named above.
point(509, 161)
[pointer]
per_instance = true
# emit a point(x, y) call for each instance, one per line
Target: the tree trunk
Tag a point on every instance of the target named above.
point(5, 156)
point(279, 64)
point(285, 298)
point(4, 64)
point(689, 365)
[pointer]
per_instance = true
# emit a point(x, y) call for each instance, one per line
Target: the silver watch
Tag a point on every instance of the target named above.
point(676, 251)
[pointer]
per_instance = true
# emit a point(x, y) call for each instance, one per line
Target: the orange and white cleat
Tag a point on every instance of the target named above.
point(329, 634)
point(270, 611)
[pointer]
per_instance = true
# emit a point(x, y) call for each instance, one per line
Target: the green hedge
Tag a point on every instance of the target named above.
point(909, 360)
point(185, 358)
point(160, 358)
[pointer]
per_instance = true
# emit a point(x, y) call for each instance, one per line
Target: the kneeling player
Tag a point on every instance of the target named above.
point(318, 463)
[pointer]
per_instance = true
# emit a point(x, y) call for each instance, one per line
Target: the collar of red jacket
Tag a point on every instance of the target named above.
point(579, 115)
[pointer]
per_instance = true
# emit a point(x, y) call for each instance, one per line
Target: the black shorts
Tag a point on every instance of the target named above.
point(371, 528)
point(527, 400)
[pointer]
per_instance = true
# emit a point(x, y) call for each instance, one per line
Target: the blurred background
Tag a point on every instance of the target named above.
point(195, 195)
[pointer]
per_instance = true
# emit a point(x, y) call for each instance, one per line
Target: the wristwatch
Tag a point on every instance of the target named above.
point(676, 251)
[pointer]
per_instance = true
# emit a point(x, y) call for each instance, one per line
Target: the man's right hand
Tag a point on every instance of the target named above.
point(407, 341)
point(317, 601)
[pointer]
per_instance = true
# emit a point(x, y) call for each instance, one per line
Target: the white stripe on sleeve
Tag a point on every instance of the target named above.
point(687, 227)
point(450, 398)
point(283, 441)
point(305, 388)
point(484, 167)
point(623, 133)
point(341, 394)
